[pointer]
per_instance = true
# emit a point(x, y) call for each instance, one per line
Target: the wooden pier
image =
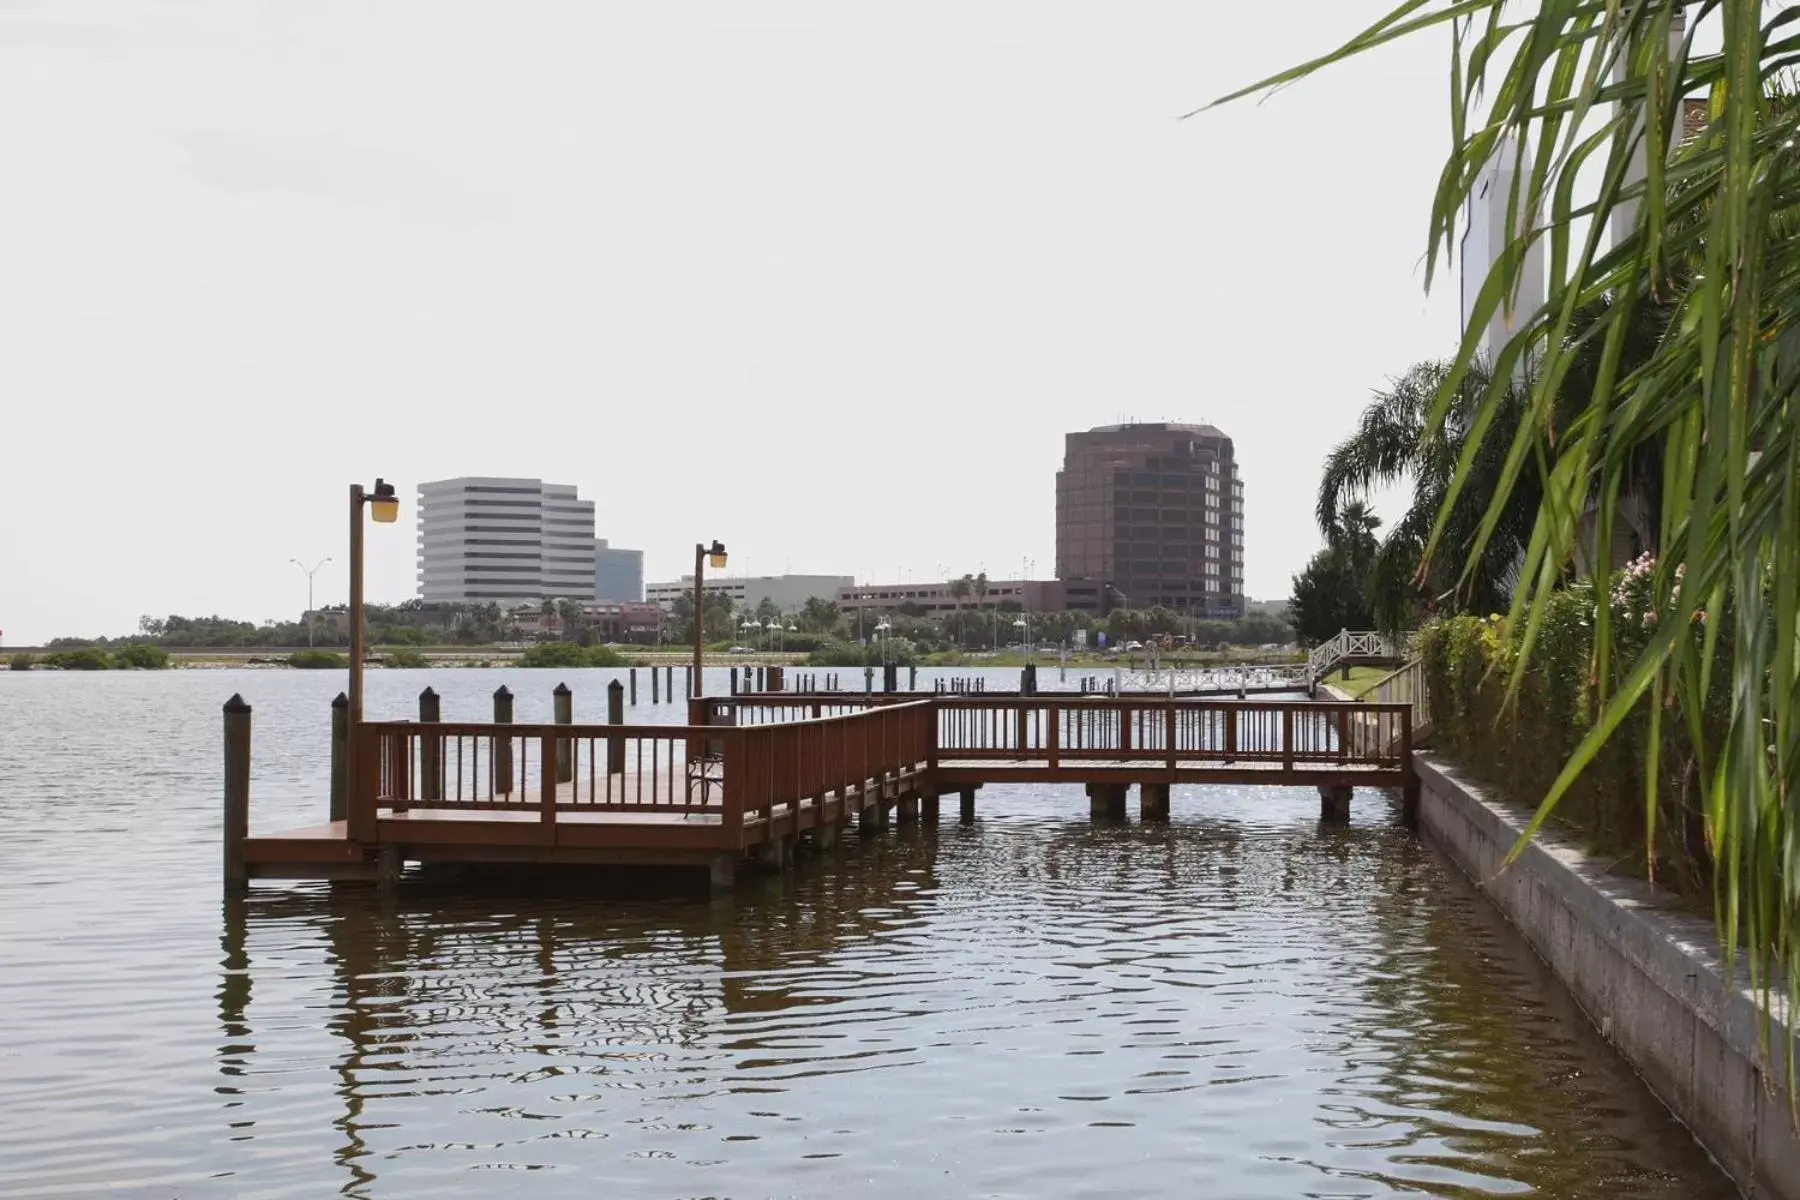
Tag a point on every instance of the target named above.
point(752, 776)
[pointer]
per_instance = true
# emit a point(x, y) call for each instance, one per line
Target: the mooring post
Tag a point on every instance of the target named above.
point(501, 750)
point(890, 677)
point(237, 791)
point(656, 688)
point(634, 687)
point(868, 679)
point(615, 715)
point(340, 749)
point(562, 712)
point(431, 758)
point(734, 687)
point(1334, 804)
point(912, 678)
point(687, 674)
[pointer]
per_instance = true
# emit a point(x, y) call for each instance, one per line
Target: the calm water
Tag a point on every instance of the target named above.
point(1238, 1004)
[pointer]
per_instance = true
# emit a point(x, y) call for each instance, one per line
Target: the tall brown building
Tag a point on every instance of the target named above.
point(1153, 513)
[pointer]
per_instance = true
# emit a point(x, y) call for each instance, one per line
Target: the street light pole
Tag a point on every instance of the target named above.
point(702, 552)
point(384, 507)
point(309, 593)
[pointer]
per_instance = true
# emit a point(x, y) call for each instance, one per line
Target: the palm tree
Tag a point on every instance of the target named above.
point(1398, 439)
point(1706, 228)
point(959, 591)
point(980, 585)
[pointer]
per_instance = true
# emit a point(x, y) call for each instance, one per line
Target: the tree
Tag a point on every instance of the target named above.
point(1708, 229)
point(1397, 439)
point(768, 612)
point(1329, 596)
point(959, 591)
point(819, 615)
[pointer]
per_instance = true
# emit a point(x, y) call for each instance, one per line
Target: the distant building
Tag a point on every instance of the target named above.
point(936, 599)
point(788, 592)
point(618, 573)
point(504, 540)
point(1153, 515)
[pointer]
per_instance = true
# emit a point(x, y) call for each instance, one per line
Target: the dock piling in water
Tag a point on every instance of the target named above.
point(634, 685)
point(237, 791)
point(615, 715)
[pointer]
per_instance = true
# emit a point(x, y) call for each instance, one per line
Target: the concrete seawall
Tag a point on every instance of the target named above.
point(1651, 979)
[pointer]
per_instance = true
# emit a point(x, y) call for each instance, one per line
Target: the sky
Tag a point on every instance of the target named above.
point(828, 281)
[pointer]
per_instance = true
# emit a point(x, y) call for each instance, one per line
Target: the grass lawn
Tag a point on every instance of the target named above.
point(1361, 680)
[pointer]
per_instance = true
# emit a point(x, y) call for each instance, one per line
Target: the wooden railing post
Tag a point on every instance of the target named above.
point(431, 778)
point(1124, 712)
point(237, 791)
point(1169, 734)
point(1055, 739)
point(1233, 715)
point(1287, 737)
point(547, 756)
point(1343, 732)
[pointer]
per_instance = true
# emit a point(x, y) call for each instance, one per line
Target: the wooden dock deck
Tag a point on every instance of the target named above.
point(752, 775)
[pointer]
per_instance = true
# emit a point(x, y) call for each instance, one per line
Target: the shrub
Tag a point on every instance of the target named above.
point(22, 661)
point(141, 656)
point(317, 660)
point(570, 654)
point(405, 658)
point(849, 654)
point(88, 658)
point(1521, 747)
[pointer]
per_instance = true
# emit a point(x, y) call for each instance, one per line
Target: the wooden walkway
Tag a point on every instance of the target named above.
point(752, 775)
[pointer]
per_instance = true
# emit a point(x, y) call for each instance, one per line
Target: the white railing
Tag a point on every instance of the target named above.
point(1405, 686)
point(1349, 644)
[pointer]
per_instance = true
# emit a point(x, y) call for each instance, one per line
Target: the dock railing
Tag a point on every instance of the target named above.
point(738, 775)
point(1406, 686)
point(1059, 731)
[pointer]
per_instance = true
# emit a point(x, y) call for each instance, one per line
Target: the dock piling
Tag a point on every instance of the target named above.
point(967, 813)
point(340, 748)
point(562, 712)
point(656, 688)
point(237, 791)
point(431, 776)
point(615, 715)
point(634, 686)
point(1334, 805)
point(501, 751)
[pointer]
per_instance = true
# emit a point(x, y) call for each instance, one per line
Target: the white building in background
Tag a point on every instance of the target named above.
point(789, 593)
point(1484, 244)
point(504, 540)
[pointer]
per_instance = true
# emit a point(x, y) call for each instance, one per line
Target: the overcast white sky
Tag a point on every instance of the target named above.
point(826, 280)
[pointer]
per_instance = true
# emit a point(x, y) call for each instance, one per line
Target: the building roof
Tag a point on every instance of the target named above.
point(1164, 426)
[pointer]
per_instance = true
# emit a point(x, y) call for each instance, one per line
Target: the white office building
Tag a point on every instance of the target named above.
point(508, 541)
point(789, 593)
point(1484, 243)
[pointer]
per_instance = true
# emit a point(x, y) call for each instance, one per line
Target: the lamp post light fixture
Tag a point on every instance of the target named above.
point(703, 554)
point(384, 507)
point(309, 573)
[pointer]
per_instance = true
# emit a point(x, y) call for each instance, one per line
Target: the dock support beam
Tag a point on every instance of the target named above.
point(868, 820)
point(1334, 805)
point(1409, 803)
point(1153, 801)
point(928, 810)
point(967, 815)
point(908, 808)
point(722, 869)
point(825, 836)
point(1106, 801)
point(237, 792)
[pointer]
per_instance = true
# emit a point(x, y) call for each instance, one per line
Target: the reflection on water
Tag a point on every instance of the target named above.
point(1241, 1003)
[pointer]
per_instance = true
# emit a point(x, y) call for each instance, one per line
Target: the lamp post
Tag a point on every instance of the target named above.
point(703, 554)
point(310, 572)
point(384, 506)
